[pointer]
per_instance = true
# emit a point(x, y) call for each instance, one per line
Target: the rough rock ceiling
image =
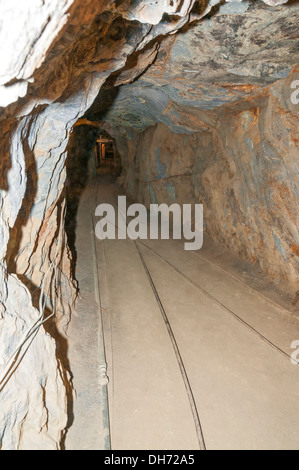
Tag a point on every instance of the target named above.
point(232, 54)
point(74, 31)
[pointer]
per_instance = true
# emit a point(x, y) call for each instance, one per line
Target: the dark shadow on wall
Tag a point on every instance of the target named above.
point(60, 340)
point(105, 99)
point(6, 131)
point(80, 151)
point(15, 238)
point(81, 161)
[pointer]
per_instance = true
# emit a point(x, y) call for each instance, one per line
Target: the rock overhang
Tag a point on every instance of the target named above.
point(229, 56)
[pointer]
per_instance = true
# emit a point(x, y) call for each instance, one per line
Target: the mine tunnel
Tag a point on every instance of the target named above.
point(149, 227)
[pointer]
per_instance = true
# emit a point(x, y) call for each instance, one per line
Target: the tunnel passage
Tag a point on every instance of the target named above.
point(91, 151)
point(218, 128)
point(104, 151)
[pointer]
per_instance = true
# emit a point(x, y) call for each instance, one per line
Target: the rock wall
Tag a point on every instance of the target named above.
point(241, 163)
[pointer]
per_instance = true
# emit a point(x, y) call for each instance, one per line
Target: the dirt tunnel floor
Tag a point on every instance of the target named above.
point(198, 346)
